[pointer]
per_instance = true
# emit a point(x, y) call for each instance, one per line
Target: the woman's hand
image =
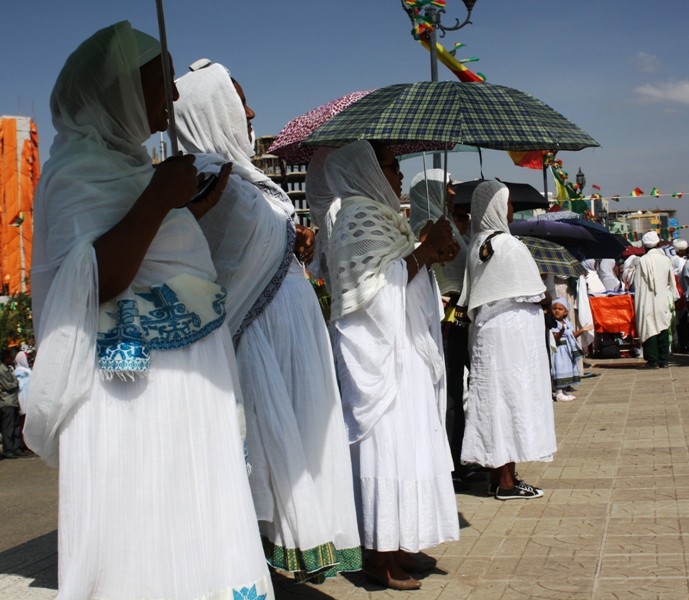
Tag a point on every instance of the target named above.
point(423, 234)
point(199, 208)
point(173, 184)
point(305, 244)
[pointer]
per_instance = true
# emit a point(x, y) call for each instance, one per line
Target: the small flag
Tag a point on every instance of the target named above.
point(458, 45)
point(616, 198)
point(655, 193)
point(532, 159)
point(596, 187)
point(677, 194)
point(637, 192)
point(18, 220)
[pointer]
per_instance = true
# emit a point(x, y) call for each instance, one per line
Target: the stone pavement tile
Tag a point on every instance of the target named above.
point(537, 567)
point(568, 526)
point(549, 589)
point(588, 496)
point(551, 545)
point(633, 565)
point(643, 481)
point(19, 588)
point(457, 589)
point(592, 483)
point(657, 494)
point(645, 526)
point(666, 588)
point(561, 510)
point(643, 544)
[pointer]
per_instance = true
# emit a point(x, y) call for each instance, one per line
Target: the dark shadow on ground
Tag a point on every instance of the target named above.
point(286, 588)
point(35, 559)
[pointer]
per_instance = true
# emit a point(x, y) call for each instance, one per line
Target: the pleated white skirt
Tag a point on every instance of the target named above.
point(301, 473)
point(509, 416)
point(154, 498)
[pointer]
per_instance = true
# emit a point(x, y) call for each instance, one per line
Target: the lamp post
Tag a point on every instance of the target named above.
point(581, 181)
point(433, 14)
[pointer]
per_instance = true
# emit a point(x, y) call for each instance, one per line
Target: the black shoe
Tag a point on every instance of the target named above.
point(651, 365)
point(9, 455)
point(492, 488)
point(518, 492)
point(664, 366)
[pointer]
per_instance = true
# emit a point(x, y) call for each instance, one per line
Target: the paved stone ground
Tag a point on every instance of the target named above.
point(614, 522)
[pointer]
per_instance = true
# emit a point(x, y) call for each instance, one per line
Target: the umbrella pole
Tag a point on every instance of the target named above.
point(480, 161)
point(545, 183)
point(445, 183)
point(428, 198)
point(167, 79)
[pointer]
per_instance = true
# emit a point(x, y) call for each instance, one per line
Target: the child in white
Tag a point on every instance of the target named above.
point(563, 358)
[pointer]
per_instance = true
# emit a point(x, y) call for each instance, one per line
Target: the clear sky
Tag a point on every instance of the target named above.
point(616, 68)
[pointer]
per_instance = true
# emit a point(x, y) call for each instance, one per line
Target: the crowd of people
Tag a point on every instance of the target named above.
point(206, 420)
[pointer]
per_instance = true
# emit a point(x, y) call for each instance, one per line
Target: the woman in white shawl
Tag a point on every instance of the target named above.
point(301, 474)
point(388, 344)
point(607, 272)
point(131, 375)
point(509, 415)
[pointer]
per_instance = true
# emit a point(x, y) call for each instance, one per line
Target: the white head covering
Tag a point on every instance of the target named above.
point(221, 127)
point(590, 264)
point(148, 47)
point(21, 360)
point(607, 275)
point(562, 302)
point(650, 239)
point(318, 193)
point(489, 205)
point(420, 205)
point(511, 272)
point(353, 170)
point(680, 244)
point(450, 276)
point(369, 234)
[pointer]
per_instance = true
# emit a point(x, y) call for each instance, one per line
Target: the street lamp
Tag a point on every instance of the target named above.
point(581, 181)
point(603, 216)
point(433, 15)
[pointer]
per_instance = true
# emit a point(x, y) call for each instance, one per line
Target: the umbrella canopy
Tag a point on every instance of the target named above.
point(560, 233)
point(553, 259)
point(288, 146)
point(557, 216)
point(633, 251)
point(476, 114)
point(523, 195)
point(607, 245)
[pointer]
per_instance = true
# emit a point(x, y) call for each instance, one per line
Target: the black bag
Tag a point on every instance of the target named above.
point(608, 347)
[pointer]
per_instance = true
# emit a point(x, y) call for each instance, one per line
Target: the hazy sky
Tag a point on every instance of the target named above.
point(617, 68)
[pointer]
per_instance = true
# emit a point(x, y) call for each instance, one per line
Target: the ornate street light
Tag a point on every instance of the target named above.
point(581, 181)
point(433, 16)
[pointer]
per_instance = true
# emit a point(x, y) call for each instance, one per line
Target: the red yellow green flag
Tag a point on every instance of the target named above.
point(677, 194)
point(655, 193)
point(637, 192)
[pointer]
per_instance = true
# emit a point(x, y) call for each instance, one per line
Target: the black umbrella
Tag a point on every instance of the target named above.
point(563, 234)
point(524, 196)
point(607, 245)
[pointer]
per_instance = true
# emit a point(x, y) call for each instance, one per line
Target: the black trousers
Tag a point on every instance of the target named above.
point(11, 429)
point(657, 348)
point(456, 358)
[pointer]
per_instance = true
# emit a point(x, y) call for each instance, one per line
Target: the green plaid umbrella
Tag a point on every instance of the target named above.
point(475, 114)
point(553, 259)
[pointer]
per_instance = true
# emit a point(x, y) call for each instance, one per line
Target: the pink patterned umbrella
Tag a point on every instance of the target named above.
point(287, 147)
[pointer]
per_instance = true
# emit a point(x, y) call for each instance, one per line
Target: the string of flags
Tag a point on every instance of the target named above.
point(665, 233)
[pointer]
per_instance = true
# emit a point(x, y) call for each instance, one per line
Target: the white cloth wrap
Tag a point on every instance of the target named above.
point(511, 272)
point(607, 275)
point(584, 313)
point(368, 237)
point(221, 127)
point(450, 276)
point(324, 206)
point(391, 369)
point(654, 291)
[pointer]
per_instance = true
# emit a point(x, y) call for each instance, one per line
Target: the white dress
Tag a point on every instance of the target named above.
point(509, 415)
point(154, 497)
point(393, 391)
point(301, 473)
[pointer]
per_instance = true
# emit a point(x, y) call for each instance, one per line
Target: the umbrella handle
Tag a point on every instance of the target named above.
point(445, 183)
point(428, 198)
point(167, 80)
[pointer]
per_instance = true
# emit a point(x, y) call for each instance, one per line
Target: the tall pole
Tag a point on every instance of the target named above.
point(432, 12)
point(167, 80)
point(22, 264)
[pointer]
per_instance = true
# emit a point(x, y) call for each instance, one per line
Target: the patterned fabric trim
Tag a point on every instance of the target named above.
point(165, 317)
point(315, 564)
point(565, 381)
point(267, 295)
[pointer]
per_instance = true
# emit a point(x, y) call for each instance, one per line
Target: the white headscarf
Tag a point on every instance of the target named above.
point(511, 272)
point(353, 170)
point(607, 275)
point(221, 128)
point(680, 244)
point(450, 276)
point(324, 206)
point(369, 233)
point(246, 230)
point(422, 204)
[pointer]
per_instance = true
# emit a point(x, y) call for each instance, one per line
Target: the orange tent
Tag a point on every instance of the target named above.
point(19, 171)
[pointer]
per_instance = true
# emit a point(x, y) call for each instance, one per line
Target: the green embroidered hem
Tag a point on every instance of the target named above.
point(565, 381)
point(315, 564)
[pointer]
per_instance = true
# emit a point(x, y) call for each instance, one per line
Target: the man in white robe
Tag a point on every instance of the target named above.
point(654, 282)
